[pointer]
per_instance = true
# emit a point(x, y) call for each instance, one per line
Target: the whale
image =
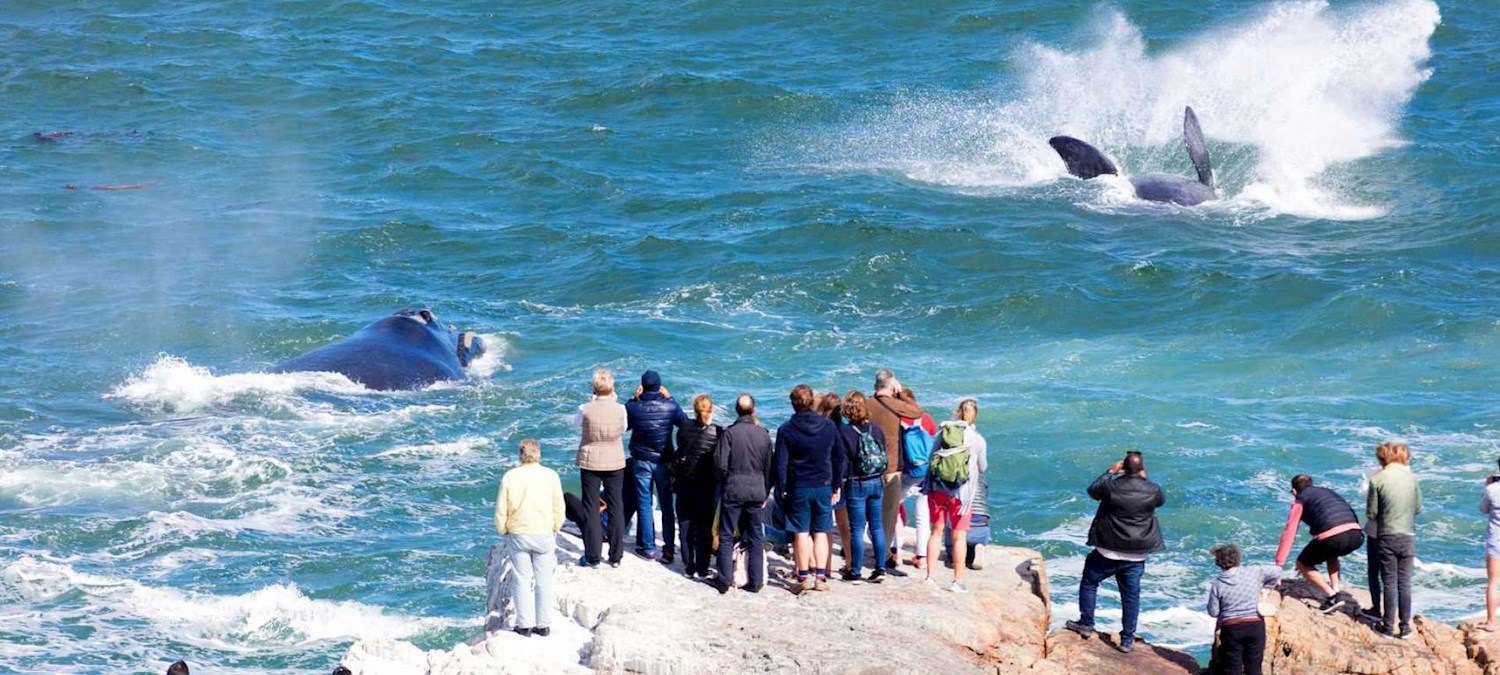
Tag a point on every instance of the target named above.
point(407, 350)
point(1085, 161)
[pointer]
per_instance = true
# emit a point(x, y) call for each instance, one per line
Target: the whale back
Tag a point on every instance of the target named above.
point(1192, 137)
point(1083, 160)
point(397, 352)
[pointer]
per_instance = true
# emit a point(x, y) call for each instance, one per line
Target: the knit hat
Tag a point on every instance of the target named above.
point(650, 381)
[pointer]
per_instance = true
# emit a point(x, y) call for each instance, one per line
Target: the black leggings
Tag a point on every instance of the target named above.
point(1242, 647)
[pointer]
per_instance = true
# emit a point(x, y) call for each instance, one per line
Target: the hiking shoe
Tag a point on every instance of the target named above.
point(1125, 645)
point(958, 587)
point(876, 576)
point(820, 584)
point(541, 631)
point(1331, 603)
point(1083, 630)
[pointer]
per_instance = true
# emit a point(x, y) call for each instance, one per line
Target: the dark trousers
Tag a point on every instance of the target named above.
point(1372, 556)
point(1397, 552)
point(745, 517)
point(1242, 648)
point(1097, 568)
point(695, 524)
point(613, 483)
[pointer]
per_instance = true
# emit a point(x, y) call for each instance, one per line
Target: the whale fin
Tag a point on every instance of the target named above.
point(1083, 160)
point(1192, 137)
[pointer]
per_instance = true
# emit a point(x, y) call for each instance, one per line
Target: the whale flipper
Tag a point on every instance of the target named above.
point(1083, 160)
point(1192, 137)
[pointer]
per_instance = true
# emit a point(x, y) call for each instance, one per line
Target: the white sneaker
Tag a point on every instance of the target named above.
point(958, 587)
point(930, 582)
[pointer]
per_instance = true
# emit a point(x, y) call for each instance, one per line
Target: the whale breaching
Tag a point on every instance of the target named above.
point(1085, 161)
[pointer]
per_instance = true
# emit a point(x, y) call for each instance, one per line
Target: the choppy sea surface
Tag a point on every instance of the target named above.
point(742, 196)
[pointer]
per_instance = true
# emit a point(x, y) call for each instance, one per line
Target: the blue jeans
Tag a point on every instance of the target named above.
point(646, 475)
point(1097, 568)
point(863, 499)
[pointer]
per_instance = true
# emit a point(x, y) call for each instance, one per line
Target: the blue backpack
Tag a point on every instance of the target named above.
point(918, 439)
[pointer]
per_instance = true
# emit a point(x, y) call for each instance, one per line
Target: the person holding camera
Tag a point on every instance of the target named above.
point(1123, 534)
point(1489, 505)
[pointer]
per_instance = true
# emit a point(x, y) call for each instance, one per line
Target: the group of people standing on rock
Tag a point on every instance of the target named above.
point(840, 465)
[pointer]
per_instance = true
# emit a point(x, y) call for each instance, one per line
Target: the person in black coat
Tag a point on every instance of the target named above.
point(696, 485)
point(1123, 534)
point(742, 459)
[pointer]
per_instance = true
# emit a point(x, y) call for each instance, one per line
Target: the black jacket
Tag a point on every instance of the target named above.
point(1323, 509)
point(743, 458)
point(849, 434)
point(650, 419)
point(693, 461)
point(1126, 519)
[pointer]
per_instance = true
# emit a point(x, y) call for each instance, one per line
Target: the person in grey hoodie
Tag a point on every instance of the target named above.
point(1234, 599)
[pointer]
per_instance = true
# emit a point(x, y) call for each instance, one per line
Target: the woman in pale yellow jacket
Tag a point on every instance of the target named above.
point(529, 512)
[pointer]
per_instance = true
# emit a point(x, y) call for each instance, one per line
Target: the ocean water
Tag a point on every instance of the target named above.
point(742, 196)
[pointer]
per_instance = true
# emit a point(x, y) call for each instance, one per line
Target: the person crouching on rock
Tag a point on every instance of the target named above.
point(528, 513)
point(805, 482)
point(1234, 599)
point(1336, 533)
point(696, 485)
point(1123, 534)
point(742, 459)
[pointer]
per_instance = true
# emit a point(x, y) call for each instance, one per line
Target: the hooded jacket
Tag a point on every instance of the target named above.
point(651, 418)
point(743, 458)
point(804, 452)
point(886, 412)
point(1126, 518)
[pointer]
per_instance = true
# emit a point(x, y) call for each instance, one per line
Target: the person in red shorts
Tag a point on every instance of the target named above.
point(952, 484)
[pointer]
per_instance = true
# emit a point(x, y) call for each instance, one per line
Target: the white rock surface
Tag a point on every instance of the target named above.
point(646, 617)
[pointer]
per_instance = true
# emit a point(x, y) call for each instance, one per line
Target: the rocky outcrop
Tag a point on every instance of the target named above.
point(645, 617)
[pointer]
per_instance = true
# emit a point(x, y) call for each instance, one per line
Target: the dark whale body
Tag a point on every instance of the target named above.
point(1085, 161)
point(408, 350)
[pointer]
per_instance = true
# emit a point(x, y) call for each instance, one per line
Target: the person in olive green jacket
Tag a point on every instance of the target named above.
point(1394, 502)
point(528, 513)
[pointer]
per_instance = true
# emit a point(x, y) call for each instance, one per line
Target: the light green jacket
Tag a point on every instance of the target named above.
point(1394, 501)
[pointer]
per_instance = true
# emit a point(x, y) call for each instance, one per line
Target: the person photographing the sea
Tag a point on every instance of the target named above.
point(1124, 533)
point(1336, 533)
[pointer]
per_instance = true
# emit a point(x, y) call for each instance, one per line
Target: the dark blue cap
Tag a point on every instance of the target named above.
point(650, 381)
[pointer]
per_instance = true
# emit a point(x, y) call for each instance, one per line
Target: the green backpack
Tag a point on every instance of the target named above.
point(950, 463)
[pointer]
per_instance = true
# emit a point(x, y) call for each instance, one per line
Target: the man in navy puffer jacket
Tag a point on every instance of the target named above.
point(805, 447)
point(651, 417)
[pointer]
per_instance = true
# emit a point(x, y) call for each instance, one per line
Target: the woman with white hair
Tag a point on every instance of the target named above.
point(529, 512)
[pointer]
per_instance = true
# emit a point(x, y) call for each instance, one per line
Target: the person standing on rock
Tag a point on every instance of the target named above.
point(529, 512)
point(1124, 533)
point(831, 406)
point(951, 488)
point(696, 485)
point(887, 408)
point(805, 446)
point(742, 457)
point(601, 464)
point(1489, 505)
point(1335, 531)
point(651, 415)
point(864, 447)
point(1234, 599)
point(1394, 502)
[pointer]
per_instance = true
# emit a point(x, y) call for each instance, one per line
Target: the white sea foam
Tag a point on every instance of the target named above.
point(1283, 97)
point(278, 615)
point(173, 385)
